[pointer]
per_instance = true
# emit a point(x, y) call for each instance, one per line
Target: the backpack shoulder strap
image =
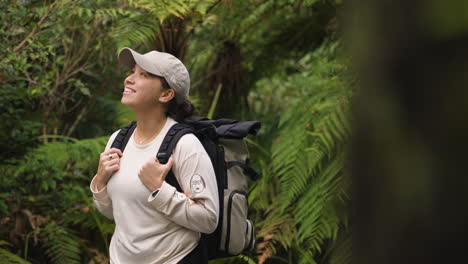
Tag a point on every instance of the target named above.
point(170, 141)
point(121, 140)
point(167, 147)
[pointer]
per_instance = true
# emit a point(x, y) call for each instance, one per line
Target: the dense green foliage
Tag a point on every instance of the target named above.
point(53, 70)
point(279, 62)
point(45, 199)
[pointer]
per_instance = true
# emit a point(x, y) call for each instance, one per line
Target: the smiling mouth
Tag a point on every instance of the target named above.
point(128, 91)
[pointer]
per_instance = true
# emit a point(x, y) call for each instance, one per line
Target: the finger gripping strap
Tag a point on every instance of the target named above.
point(167, 147)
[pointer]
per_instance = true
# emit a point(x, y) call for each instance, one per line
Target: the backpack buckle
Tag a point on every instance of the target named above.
point(162, 157)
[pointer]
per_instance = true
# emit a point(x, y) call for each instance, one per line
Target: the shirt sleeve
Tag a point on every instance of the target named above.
point(197, 208)
point(101, 199)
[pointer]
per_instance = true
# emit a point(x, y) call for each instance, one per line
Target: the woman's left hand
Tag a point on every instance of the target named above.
point(153, 173)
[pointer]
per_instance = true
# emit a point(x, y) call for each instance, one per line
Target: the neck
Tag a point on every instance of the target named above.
point(150, 122)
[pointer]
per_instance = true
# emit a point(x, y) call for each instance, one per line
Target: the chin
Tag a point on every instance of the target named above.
point(127, 103)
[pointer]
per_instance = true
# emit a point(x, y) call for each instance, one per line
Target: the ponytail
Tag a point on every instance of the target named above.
point(181, 111)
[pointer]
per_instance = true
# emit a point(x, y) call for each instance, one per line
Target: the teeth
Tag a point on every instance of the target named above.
point(128, 90)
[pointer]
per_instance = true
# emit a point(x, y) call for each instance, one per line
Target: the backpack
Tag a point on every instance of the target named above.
point(223, 141)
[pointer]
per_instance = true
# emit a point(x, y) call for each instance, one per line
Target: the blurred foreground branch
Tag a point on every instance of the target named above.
point(409, 148)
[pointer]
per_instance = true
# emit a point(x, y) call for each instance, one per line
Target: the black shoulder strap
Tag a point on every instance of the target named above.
point(170, 141)
point(121, 140)
point(168, 146)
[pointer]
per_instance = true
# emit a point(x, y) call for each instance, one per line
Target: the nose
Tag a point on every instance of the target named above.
point(129, 79)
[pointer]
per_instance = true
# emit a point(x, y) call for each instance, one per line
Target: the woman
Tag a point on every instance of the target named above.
point(154, 222)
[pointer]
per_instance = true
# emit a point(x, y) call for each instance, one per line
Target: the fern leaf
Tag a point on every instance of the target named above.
point(8, 257)
point(305, 256)
point(134, 30)
point(61, 246)
point(341, 251)
point(162, 9)
point(256, 16)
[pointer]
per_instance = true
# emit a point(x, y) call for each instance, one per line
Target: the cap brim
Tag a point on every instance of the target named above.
point(126, 57)
point(129, 58)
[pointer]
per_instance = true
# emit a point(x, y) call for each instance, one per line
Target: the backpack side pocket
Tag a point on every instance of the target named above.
point(234, 235)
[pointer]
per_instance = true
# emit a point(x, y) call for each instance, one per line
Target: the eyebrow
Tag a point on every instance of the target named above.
point(134, 69)
point(149, 73)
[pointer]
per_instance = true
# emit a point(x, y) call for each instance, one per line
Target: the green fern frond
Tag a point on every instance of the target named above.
point(319, 192)
point(61, 245)
point(279, 228)
point(202, 6)
point(305, 256)
point(341, 250)
point(8, 257)
point(307, 160)
point(334, 129)
point(297, 163)
point(112, 14)
point(88, 217)
point(264, 191)
point(134, 30)
point(162, 9)
point(240, 259)
point(254, 17)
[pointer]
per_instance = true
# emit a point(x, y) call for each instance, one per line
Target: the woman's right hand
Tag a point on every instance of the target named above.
point(109, 162)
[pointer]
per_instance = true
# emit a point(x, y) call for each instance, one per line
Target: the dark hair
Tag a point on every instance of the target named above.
point(178, 112)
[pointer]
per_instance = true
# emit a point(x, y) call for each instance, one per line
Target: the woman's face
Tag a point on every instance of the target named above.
point(141, 90)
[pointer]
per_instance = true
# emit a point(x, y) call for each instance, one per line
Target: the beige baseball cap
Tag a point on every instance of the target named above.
point(163, 65)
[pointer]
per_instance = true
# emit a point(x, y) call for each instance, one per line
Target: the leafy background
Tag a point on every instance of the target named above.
point(277, 61)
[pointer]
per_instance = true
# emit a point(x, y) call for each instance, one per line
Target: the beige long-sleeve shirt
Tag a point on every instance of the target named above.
point(166, 227)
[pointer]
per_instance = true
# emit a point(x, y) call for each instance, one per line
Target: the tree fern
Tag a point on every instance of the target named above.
point(143, 24)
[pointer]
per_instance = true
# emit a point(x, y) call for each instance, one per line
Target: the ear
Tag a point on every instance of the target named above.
point(166, 95)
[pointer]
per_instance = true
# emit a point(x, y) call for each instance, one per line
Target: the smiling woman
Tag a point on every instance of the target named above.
point(154, 222)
